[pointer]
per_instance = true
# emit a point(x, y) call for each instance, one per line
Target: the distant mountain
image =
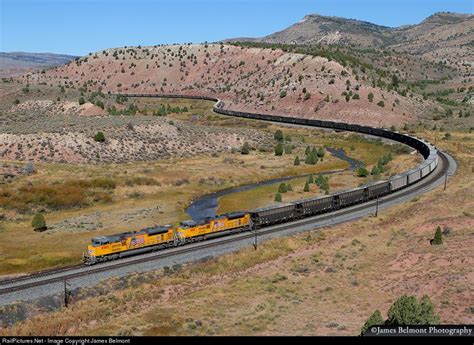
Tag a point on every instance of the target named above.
point(443, 35)
point(16, 63)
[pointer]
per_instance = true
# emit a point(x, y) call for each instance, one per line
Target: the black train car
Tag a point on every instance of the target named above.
point(273, 214)
point(377, 189)
point(312, 206)
point(350, 197)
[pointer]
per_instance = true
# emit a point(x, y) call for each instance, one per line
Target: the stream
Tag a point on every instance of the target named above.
point(206, 206)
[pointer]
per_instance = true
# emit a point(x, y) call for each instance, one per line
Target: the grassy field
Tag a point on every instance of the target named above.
point(321, 282)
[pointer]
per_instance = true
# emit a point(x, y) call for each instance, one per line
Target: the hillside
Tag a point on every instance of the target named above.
point(441, 36)
point(252, 79)
point(17, 63)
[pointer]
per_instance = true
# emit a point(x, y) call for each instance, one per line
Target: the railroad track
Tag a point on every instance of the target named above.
point(67, 273)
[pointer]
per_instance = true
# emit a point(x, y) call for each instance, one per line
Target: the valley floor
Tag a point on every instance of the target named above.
point(324, 282)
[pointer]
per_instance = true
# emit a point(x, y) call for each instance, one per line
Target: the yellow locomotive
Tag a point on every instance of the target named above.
point(104, 248)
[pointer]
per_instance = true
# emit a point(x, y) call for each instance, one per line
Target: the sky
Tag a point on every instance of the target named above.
point(79, 27)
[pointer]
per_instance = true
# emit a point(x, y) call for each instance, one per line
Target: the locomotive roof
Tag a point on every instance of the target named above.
point(118, 237)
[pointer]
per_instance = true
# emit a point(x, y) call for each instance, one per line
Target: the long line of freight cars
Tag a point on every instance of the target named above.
point(104, 248)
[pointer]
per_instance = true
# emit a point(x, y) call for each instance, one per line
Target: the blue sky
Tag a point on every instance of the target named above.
point(82, 26)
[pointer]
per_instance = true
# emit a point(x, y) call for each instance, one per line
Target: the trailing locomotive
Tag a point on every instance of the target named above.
point(105, 248)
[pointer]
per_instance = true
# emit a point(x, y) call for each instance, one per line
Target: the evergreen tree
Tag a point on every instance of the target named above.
point(310, 178)
point(289, 188)
point(279, 149)
point(438, 239)
point(282, 188)
point(38, 223)
point(278, 136)
point(306, 187)
point(278, 197)
point(297, 161)
point(374, 319)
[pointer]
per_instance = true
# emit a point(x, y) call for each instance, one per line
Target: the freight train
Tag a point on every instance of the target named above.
point(104, 248)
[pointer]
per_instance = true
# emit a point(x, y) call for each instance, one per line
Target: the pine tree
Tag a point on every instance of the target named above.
point(289, 188)
point(278, 136)
point(438, 239)
point(279, 149)
point(310, 178)
point(278, 197)
point(297, 161)
point(374, 319)
point(282, 188)
point(306, 187)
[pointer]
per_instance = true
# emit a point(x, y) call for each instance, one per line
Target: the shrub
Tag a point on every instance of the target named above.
point(370, 97)
point(407, 311)
point(278, 197)
point(282, 93)
point(82, 101)
point(381, 104)
point(38, 222)
point(289, 188)
point(297, 161)
point(321, 152)
point(438, 238)
point(375, 170)
point(362, 172)
point(245, 150)
point(279, 149)
point(307, 96)
point(374, 319)
point(16, 101)
point(99, 137)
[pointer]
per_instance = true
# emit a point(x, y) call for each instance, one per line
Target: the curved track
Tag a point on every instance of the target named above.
point(49, 277)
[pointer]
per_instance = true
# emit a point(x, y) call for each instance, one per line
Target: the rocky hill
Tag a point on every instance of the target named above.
point(253, 79)
point(441, 36)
